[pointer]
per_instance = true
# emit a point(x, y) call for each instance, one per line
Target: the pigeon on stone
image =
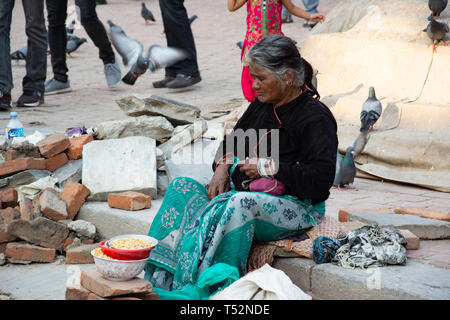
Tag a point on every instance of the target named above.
point(146, 14)
point(191, 19)
point(371, 111)
point(240, 44)
point(345, 169)
point(20, 54)
point(436, 32)
point(436, 7)
point(74, 44)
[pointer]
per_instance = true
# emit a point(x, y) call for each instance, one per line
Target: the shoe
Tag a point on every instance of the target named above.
point(30, 99)
point(182, 81)
point(162, 83)
point(54, 86)
point(5, 101)
point(287, 19)
point(112, 73)
point(309, 25)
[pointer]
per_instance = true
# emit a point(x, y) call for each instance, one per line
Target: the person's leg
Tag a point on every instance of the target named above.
point(6, 80)
point(97, 32)
point(311, 6)
point(179, 35)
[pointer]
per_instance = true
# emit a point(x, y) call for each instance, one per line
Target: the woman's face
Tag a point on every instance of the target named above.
point(266, 85)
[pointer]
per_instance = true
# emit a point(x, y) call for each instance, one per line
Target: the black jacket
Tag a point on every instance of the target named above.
point(307, 145)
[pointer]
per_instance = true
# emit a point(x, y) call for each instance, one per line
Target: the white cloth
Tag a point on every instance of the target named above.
point(265, 283)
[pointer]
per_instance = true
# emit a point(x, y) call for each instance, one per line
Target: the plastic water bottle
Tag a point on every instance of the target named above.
point(14, 128)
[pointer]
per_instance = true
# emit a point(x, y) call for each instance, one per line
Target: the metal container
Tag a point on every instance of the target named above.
point(119, 270)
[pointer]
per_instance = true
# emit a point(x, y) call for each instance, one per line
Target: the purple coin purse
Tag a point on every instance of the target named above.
point(267, 185)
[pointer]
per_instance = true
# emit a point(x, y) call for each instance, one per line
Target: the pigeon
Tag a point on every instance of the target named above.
point(132, 51)
point(436, 7)
point(191, 19)
point(436, 31)
point(20, 54)
point(74, 44)
point(345, 169)
point(71, 27)
point(146, 14)
point(371, 111)
point(240, 44)
point(360, 142)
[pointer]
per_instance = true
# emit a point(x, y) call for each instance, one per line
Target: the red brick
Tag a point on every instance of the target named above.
point(25, 207)
point(92, 280)
point(3, 246)
point(74, 195)
point(9, 197)
point(67, 243)
point(424, 213)
point(81, 254)
point(56, 162)
point(75, 150)
point(4, 235)
point(129, 200)
point(76, 292)
point(8, 215)
point(53, 145)
point(411, 238)
point(21, 164)
point(29, 252)
point(11, 154)
point(52, 205)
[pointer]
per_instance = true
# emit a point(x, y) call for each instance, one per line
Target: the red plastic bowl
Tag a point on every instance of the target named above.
point(124, 254)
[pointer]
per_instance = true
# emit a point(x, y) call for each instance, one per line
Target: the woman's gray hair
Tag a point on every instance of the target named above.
point(277, 54)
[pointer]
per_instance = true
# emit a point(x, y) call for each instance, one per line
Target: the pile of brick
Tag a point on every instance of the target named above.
point(37, 229)
point(94, 287)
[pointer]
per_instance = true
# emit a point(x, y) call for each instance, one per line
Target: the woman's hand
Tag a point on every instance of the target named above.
point(220, 182)
point(249, 167)
point(318, 17)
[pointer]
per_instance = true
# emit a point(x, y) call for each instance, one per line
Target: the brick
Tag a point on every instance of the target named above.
point(29, 252)
point(53, 145)
point(5, 236)
point(81, 254)
point(93, 296)
point(56, 162)
point(411, 238)
point(9, 197)
point(424, 213)
point(129, 200)
point(11, 154)
point(74, 195)
point(21, 164)
point(40, 231)
point(26, 208)
point(94, 282)
point(76, 292)
point(3, 246)
point(75, 150)
point(52, 205)
point(36, 207)
point(8, 215)
point(67, 243)
point(126, 298)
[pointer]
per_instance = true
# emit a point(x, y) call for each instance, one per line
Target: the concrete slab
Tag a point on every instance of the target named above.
point(422, 227)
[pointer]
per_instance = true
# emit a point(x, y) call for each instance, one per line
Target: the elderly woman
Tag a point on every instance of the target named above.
point(263, 193)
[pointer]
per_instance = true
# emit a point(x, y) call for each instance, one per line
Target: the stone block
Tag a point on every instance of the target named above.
point(29, 252)
point(116, 165)
point(52, 205)
point(75, 150)
point(11, 154)
point(56, 162)
point(8, 215)
point(9, 197)
point(40, 231)
point(23, 178)
point(53, 144)
point(76, 292)
point(74, 195)
point(84, 229)
point(92, 280)
point(21, 164)
point(71, 171)
point(129, 200)
point(81, 254)
point(4, 235)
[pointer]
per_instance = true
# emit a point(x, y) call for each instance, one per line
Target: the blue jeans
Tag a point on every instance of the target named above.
point(311, 6)
point(36, 60)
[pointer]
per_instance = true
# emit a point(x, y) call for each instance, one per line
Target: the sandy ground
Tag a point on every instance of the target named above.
point(216, 33)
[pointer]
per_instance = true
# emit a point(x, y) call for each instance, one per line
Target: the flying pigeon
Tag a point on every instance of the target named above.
point(146, 14)
point(20, 54)
point(436, 7)
point(436, 31)
point(371, 111)
point(132, 52)
point(240, 44)
point(191, 19)
point(74, 44)
point(345, 169)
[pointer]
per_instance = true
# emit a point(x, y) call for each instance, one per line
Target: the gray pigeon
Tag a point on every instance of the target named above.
point(436, 31)
point(240, 44)
point(360, 142)
point(371, 111)
point(73, 44)
point(128, 48)
point(345, 169)
point(436, 7)
point(20, 54)
point(71, 27)
point(146, 14)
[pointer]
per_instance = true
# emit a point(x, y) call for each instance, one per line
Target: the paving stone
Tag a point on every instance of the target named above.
point(129, 200)
point(53, 145)
point(28, 252)
point(92, 280)
point(116, 165)
point(52, 205)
